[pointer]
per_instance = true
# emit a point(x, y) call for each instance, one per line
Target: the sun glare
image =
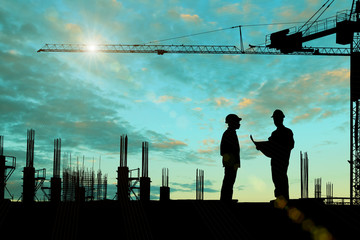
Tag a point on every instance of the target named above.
point(92, 47)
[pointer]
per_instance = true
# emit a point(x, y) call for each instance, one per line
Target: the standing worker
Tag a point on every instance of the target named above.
point(278, 148)
point(230, 152)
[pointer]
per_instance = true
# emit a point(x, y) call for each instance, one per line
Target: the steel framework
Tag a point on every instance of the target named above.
point(189, 49)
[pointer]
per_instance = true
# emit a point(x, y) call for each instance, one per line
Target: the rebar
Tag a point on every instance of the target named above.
point(199, 184)
point(165, 177)
point(329, 193)
point(304, 173)
point(57, 158)
point(145, 159)
point(30, 148)
point(317, 187)
point(123, 150)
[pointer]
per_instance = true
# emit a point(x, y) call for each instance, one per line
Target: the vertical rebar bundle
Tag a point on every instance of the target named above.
point(55, 191)
point(123, 172)
point(304, 172)
point(144, 179)
point(30, 148)
point(57, 157)
point(145, 159)
point(317, 187)
point(80, 185)
point(165, 177)
point(123, 150)
point(199, 184)
point(329, 193)
point(29, 171)
point(164, 189)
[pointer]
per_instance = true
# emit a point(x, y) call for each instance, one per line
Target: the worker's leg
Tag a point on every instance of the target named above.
point(280, 179)
point(228, 183)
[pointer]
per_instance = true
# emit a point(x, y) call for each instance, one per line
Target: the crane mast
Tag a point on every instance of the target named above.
point(346, 26)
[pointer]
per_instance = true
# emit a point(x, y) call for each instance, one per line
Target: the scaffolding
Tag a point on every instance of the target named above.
point(6, 170)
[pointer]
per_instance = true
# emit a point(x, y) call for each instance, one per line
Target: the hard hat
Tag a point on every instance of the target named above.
point(232, 118)
point(278, 113)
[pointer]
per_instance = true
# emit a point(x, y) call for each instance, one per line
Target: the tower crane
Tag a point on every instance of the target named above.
point(346, 26)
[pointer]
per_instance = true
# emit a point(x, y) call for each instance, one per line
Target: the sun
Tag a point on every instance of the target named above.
point(92, 47)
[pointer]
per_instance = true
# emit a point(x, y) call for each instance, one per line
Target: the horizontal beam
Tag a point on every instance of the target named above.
point(188, 49)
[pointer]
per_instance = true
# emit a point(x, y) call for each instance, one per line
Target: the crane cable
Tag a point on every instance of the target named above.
point(221, 29)
point(317, 17)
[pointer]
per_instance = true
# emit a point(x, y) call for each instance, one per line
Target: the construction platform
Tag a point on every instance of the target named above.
point(178, 219)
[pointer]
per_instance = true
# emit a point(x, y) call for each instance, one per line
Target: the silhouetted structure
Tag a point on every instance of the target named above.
point(199, 184)
point(55, 194)
point(79, 185)
point(29, 171)
point(101, 190)
point(329, 193)
point(304, 173)
point(6, 170)
point(230, 152)
point(317, 187)
point(164, 189)
point(145, 180)
point(123, 172)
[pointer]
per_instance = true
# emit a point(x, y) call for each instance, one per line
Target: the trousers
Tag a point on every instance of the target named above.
point(228, 183)
point(280, 178)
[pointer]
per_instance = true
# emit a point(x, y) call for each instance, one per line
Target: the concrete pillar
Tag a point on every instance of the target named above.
point(55, 191)
point(164, 193)
point(28, 185)
point(145, 189)
point(123, 184)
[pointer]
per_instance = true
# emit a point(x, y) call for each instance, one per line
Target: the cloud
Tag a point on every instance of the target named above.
point(191, 187)
point(257, 183)
point(73, 28)
point(164, 98)
point(316, 95)
point(222, 101)
point(168, 98)
point(309, 115)
point(191, 18)
point(209, 146)
point(169, 143)
point(245, 102)
point(198, 109)
point(243, 9)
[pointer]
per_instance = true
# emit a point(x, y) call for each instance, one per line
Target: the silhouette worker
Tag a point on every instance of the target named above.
point(278, 148)
point(230, 152)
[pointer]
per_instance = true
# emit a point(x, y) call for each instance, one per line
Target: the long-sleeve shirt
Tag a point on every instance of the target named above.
point(282, 143)
point(230, 146)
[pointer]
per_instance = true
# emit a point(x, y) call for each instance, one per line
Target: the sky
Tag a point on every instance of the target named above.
point(176, 102)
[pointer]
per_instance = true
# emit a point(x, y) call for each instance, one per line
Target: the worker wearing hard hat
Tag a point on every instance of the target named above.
point(278, 148)
point(230, 152)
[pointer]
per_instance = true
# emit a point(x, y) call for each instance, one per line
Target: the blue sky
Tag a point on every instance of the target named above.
point(175, 102)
